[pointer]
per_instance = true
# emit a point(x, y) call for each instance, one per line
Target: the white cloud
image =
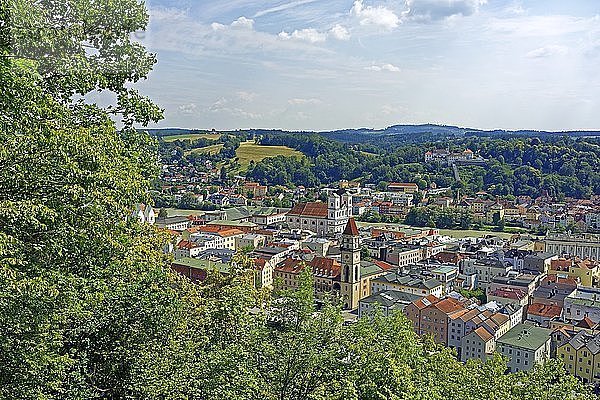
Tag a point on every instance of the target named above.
point(434, 10)
point(383, 67)
point(217, 26)
point(243, 22)
point(380, 15)
point(187, 108)
point(225, 106)
point(299, 101)
point(309, 35)
point(158, 14)
point(246, 96)
point(282, 7)
point(548, 51)
point(339, 32)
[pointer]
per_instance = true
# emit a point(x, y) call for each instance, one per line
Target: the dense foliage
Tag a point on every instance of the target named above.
point(555, 166)
point(88, 306)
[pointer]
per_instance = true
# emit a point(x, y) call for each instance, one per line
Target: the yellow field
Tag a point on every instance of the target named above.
point(251, 151)
point(214, 149)
point(192, 136)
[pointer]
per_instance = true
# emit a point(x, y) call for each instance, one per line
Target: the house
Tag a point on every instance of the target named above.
point(486, 270)
point(586, 271)
point(581, 356)
point(409, 282)
point(145, 214)
point(539, 261)
point(176, 223)
point(197, 270)
point(580, 245)
point(504, 295)
point(524, 346)
point(542, 314)
point(263, 273)
point(553, 290)
point(403, 187)
point(250, 240)
point(387, 302)
point(478, 344)
point(515, 280)
point(255, 189)
point(582, 302)
point(431, 315)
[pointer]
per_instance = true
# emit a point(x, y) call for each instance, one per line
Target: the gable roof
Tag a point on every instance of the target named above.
point(310, 209)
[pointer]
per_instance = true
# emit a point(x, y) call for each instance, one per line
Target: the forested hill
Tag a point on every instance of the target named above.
point(516, 165)
point(400, 133)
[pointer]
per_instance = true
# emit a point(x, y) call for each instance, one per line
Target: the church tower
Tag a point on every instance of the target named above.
point(350, 277)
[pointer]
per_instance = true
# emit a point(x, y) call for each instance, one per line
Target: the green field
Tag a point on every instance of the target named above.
point(251, 151)
point(192, 136)
point(214, 149)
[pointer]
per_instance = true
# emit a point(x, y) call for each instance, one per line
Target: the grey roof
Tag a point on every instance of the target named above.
point(390, 298)
point(172, 220)
point(583, 338)
point(412, 280)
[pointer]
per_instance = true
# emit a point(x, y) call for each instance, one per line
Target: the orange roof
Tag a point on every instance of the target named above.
point(351, 228)
point(229, 232)
point(449, 305)
point(483, 334)
point(383, 265)
point(425, 301)
point(469, 315)
point(311, 209)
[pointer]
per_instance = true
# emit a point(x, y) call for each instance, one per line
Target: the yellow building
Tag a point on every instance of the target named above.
point(581, 356)
point(587, 271)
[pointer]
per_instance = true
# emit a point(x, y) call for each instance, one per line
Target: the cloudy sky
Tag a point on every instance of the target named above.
point(328, 64)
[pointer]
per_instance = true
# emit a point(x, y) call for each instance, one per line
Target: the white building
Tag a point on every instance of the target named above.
point(324, 219)
point(145, 214)
point(524, 346)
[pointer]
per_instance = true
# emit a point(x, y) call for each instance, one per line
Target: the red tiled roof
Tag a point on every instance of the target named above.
point(509, 293)
point(429, 300)
point(312, 209)
point(290, 265)
point(324, 266)
point(544, 310)
point(449, 305)
point(351, 228)
point(321, 266)
point(383, 265)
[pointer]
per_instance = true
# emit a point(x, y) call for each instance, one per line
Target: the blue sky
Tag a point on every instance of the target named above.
point(328, 64)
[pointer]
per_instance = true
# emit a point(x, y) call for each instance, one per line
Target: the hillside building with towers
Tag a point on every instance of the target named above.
point(324, 219)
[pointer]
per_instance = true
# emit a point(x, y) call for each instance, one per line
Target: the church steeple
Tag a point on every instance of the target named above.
point(350, 249)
